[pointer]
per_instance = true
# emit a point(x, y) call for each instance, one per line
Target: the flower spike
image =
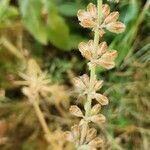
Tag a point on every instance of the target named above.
point(98, 19)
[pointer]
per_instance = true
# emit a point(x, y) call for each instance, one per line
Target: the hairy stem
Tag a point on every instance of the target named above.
point(93, 68)
point(88, 103)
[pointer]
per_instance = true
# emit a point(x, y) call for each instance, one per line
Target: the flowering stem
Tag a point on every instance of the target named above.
point(88, 104)
point(41, 120)
point(93, 68)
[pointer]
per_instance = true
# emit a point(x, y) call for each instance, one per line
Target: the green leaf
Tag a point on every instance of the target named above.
point(58, 31)
point(70, 9)
point(50, 28)
point(31, 12)
point(3, 8)
point(6, 10)
point(123, 122)
point(131, 11)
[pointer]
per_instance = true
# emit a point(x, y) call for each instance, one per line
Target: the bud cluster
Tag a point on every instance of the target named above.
point(98, 19)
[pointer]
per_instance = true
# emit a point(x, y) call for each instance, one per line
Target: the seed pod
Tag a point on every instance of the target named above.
point(107, 59)
point(76, 111)
point(109, 56)
point(88, 23)
point(86, 49)
point(102, 48)
point(79, 85)
point(81, 15)
point(98, 119)
point(95, 109)
point(91, 8)
point(105, 10)
point(85, 79)
point(98, 85)
point(116, 27)
point(91, 134)
point(103, 100)
point(85, 53)
point(88, 17)
point(112, 17)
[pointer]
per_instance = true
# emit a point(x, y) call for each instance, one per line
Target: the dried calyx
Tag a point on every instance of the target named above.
point(91, 142)
point(88, 19)
point(35, 81)
point(94, 117)
point(82, 87)
point(103, 58)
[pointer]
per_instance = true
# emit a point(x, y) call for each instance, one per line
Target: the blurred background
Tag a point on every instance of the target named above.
point(49, 32)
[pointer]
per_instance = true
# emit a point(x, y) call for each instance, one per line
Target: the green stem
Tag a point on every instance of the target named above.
point(88, 103)
point(93, 68)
